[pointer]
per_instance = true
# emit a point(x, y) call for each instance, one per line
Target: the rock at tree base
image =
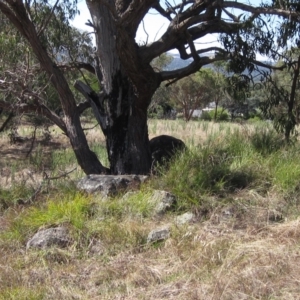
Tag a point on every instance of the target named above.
point(110, 185)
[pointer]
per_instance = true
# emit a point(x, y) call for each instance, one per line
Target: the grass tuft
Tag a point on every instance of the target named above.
point(73, 210)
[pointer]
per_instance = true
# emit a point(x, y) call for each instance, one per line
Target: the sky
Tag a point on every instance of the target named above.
point(154, 24)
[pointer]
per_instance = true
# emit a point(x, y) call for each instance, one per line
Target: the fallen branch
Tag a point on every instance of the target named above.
point(10, 116)
point(32, 141)
point(46, 176)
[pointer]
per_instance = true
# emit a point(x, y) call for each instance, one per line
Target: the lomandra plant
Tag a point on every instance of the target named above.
point(266, 140)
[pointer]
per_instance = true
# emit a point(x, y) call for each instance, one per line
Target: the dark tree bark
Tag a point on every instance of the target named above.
point(5, 123)
point(129, 84)
point(291, 103)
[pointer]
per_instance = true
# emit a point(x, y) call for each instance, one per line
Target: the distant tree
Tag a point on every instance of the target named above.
point(160, 105)
point(161, 62)
point(191, 93)
point(214, 79)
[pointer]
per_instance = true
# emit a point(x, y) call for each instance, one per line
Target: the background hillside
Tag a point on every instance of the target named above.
point(178, 63)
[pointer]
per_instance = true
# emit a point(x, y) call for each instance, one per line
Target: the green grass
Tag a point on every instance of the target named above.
point(17, 192)
point(72, 209)
point(21, 293)
point(63, 158)
point(101, 153)
point(230, 162)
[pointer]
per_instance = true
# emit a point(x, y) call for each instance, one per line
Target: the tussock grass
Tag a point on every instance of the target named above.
point(72, 210)
point(240, 181)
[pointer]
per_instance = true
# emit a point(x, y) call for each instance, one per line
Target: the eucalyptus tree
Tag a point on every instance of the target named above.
point(28, 81)
point(282, 87)
point(190, 94)
point(281, 101)
point(160, 103)
point(126, 78)
point(215, 80)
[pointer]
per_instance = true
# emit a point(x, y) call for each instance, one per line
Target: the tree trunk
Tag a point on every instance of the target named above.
point(125, 128)
point(128, 144)
point(3, 126)
point(128, 85)
point(216, 110)
point(291, 122)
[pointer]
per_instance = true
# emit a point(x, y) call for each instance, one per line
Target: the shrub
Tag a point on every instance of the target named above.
point(254, 120)
point(205, 116)
point(222, 115)
point(266, 140)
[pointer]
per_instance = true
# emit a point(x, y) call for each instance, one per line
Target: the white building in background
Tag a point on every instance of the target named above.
point(197, 113)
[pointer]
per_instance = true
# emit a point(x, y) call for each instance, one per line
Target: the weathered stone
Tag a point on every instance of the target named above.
point(185, 218)
point(158, 235)
point(165, 201)
point(110, 185)
point(50, 237)
point(164, 147)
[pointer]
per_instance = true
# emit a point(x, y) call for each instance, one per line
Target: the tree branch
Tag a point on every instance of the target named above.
point(40, 109)
point(163, 12)
point(12, 17)
point(46, 22)
point(77, 65)
point(175, 75)
point(95, 102)
point(261, 10)
point(3, 126)
point(81, 107)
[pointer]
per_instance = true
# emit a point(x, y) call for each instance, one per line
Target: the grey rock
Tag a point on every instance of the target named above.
point(158, 235)
point(50, 237)
point(185, 218)
point(110, 185)
point(165, 201)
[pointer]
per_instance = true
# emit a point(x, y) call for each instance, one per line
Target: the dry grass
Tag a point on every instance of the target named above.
point(245, 246)
point(22, 165)
point(203, 261)
point(193, 132)
point(28, 162)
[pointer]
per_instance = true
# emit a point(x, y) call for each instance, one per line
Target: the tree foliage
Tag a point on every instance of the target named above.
point(189, 94)
point(281, 101)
